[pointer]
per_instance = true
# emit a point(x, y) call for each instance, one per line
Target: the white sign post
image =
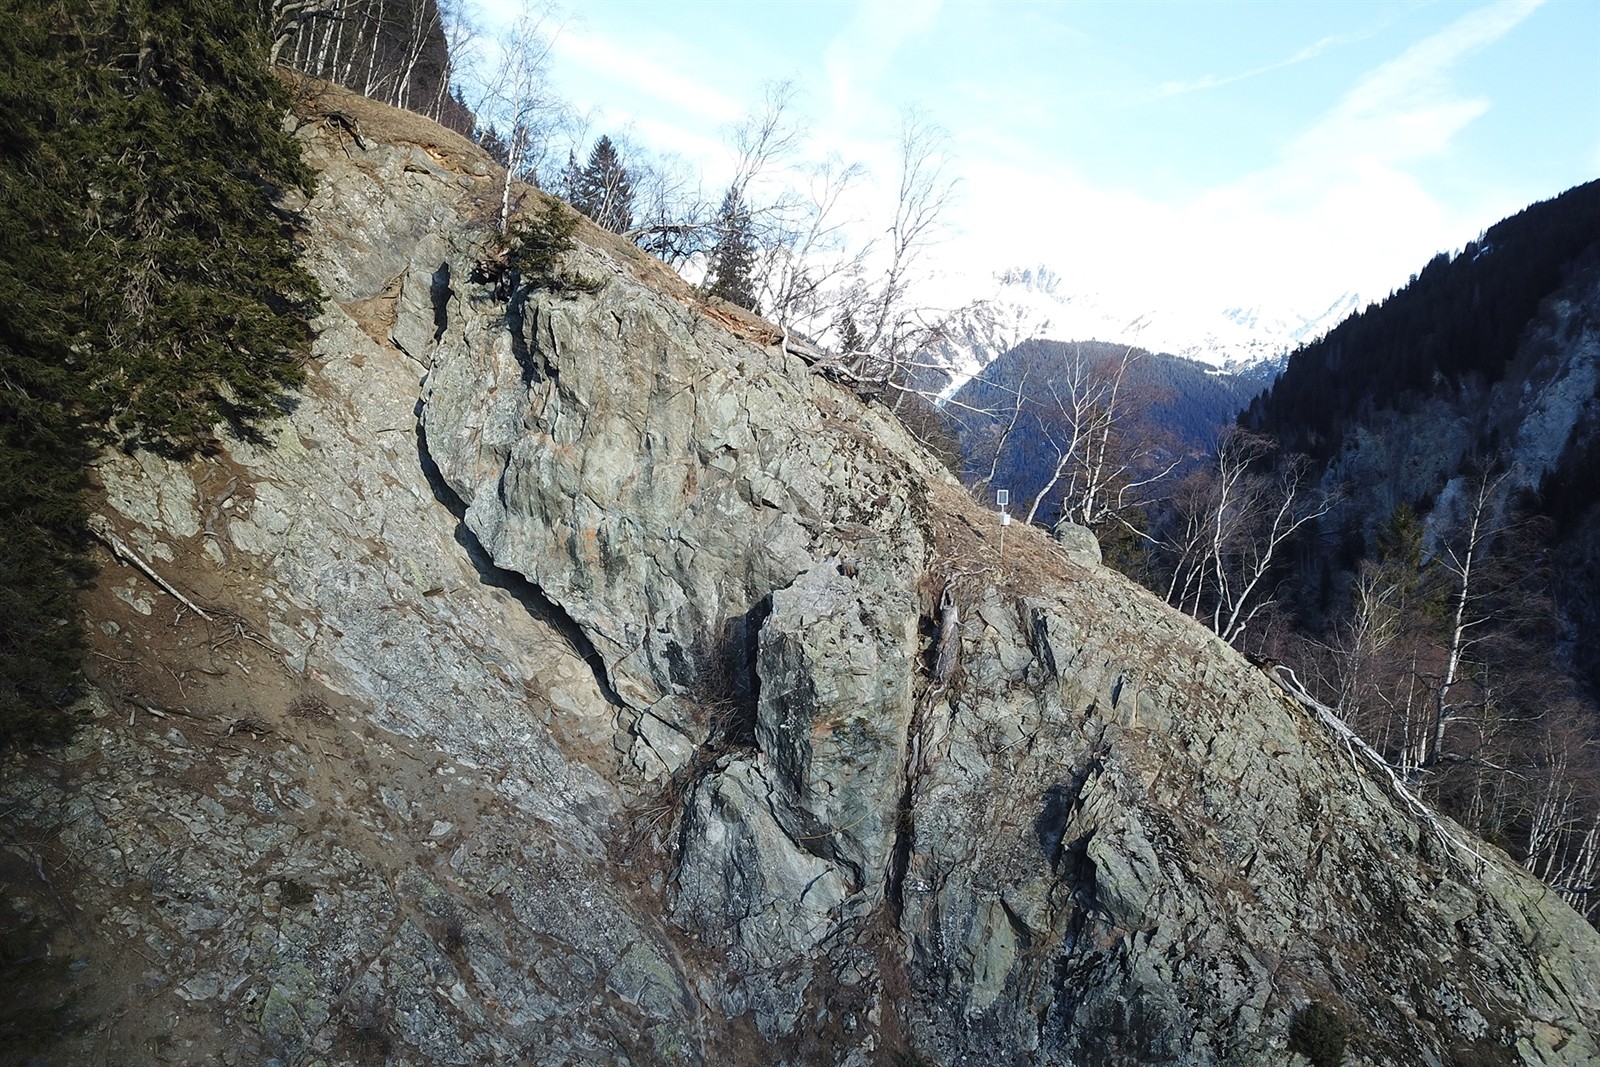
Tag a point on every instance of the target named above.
point(1002, 497)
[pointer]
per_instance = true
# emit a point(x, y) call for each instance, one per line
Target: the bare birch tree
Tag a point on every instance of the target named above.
point(517, 98)
point(401, 52)
point(1104, 456)
point(289, 20)
point(894, 328)
point(677, 221)
point(806, 264)
point(1234, 520)
point(1462, 556)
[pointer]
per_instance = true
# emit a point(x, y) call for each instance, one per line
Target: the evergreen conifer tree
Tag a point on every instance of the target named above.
point(851, 340)
point(490, 141)
point(149, 282)
point(571, 179)
point(733, 256)
point(604, 190)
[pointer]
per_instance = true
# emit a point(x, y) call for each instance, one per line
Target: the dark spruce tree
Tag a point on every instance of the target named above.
point(148, 279)
point(42, 451)
point(571, 178)
point(733, 257)
point(603, 190)
point(207, 312)
point(490, 141)
point(851, 340)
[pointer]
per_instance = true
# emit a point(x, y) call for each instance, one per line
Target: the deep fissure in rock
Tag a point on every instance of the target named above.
point(516, 322)
point(721, 676)
point(440, 292)
point(526, 593)
point(900, 853)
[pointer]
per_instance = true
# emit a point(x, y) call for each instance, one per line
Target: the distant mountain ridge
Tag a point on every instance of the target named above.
point(1178, 405)
point(1487, 361)
point(1457, 323)
point(1030, 303)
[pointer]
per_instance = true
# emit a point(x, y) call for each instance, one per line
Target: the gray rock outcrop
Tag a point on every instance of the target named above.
point(582, 704)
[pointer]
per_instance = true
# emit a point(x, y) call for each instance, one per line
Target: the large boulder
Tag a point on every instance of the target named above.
point(1078, 542)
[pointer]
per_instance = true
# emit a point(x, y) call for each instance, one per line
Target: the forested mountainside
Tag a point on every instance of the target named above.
point(1450, 596)
point(1455, 327)
point(1017, 419)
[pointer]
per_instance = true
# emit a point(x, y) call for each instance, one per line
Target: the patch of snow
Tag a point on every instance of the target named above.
point(1028, 303)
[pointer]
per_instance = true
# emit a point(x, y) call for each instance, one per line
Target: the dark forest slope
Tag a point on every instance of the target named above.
point(1452, 597)
point(1461, 318)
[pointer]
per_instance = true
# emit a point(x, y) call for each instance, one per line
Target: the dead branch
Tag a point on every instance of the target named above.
point(1290, 684)
point(101, 527)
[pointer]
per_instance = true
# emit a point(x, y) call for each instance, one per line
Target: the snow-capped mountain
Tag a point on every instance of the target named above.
point(1032, 303)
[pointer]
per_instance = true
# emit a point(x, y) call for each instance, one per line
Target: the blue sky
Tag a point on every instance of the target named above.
point(1270, 154)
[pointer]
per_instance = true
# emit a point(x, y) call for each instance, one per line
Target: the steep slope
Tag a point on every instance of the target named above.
point(1487, 359)
point(587, 681)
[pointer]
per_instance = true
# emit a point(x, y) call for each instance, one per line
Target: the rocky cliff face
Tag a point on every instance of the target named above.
point(586, 681)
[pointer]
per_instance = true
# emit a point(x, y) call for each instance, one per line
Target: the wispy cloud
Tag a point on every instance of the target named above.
point(1347, 187)
point(1347, 202)
point(648, 66)
point(1342, 208)
point(1211, 81)
point(1405, 108)
point(855, 60)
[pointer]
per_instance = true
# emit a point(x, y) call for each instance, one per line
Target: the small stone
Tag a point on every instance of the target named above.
point(200, 987)
point(142, 604)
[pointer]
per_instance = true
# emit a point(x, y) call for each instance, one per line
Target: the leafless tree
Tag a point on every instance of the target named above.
point(673, 215)
point(1462, 556)
point(1100, 468)
point(403, 52)
point(1374, 672)
point(766, 138)
point(517, 97)
point(808, 276)
point(422, 26)
point(1000, 422)
point(677, 221)
point(895, 327)
point(806, 263)
point(1234, 519)
point(288, 20)
point(1448, 664)
point(1563, 838)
